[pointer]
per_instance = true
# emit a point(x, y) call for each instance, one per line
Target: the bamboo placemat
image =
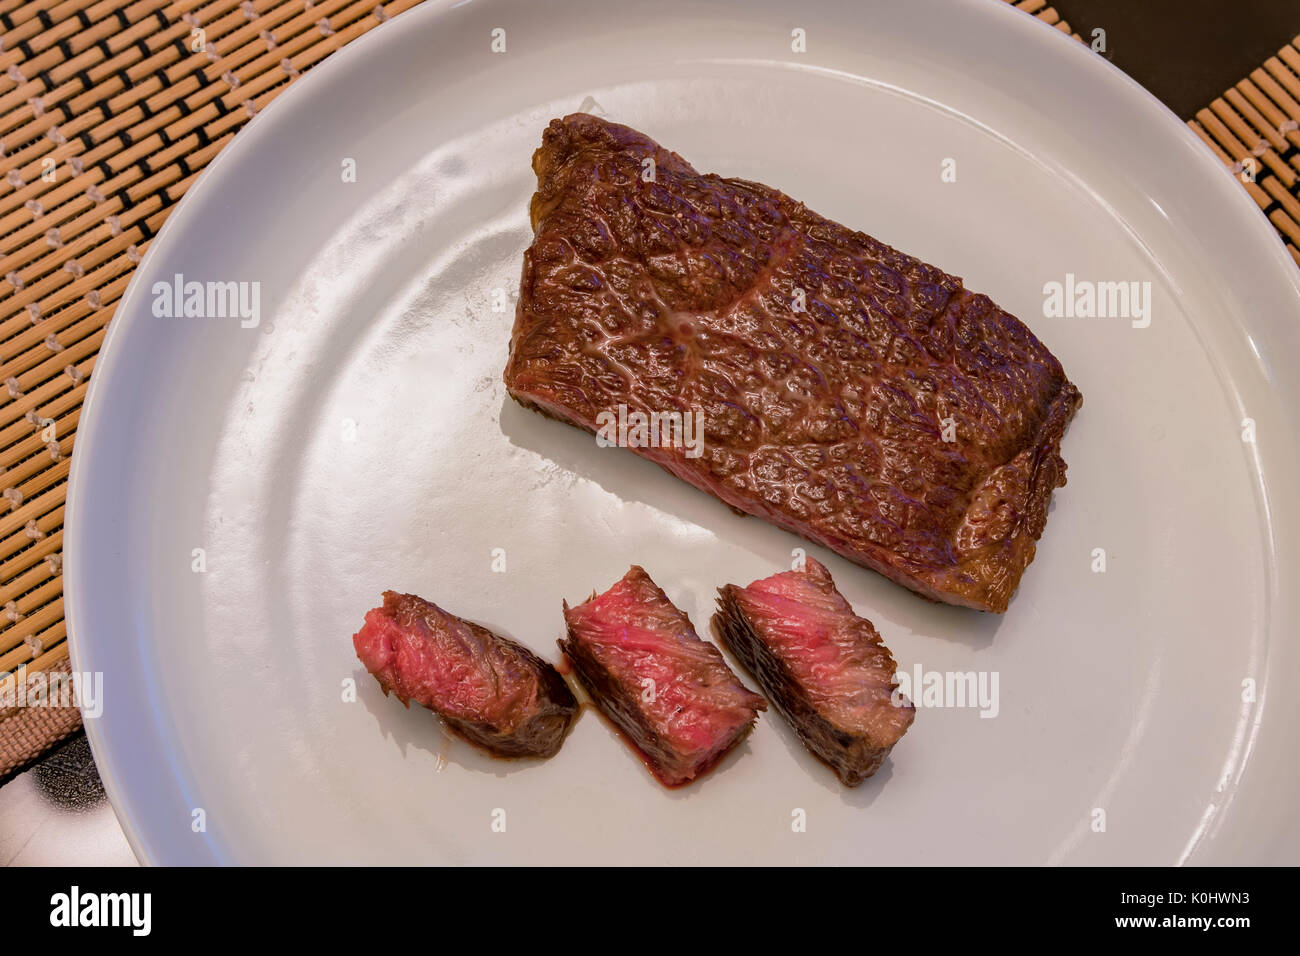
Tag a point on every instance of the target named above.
point(1254, 128)
point(108, 112)
point(107, 115)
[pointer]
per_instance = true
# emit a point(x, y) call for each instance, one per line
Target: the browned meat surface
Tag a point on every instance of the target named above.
point(823, 667)
point(669, 692)
point(829, 368)
point(493, 692)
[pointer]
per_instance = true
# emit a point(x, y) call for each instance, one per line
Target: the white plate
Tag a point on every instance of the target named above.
point(1119, 691)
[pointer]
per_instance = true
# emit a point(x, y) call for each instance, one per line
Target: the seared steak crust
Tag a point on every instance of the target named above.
point(822, 666)
point(670, 693)
point(829, 367)
point(488, 689)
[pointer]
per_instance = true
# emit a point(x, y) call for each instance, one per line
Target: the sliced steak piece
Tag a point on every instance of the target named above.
point(823, 667)
point(669, 692)
point(494, 692)
point(828, 367)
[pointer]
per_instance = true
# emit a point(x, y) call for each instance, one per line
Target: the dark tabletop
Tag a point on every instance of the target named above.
point(1186, 52)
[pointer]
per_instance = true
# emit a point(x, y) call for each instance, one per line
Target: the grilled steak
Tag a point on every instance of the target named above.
point(850, 393)
point(823, 667)
point(493, 692)
point(670, 693)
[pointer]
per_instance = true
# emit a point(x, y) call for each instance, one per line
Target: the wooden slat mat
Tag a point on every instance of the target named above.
point(1044, 12)
point(108, 112)
point(1254, 128)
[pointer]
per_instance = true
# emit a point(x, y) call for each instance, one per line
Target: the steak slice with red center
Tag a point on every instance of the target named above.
point(850, 393)
point(669, 692)
point(491, 691)
point(823, 667)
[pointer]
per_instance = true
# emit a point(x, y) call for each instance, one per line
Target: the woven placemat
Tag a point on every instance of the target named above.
point(107, 115)
point(1255, 129)
point(108, 112)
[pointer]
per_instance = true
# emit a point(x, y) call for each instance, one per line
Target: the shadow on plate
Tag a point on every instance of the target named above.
point(697, 786)
point(821, 775)
point(635, 479)
point(419, 728)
